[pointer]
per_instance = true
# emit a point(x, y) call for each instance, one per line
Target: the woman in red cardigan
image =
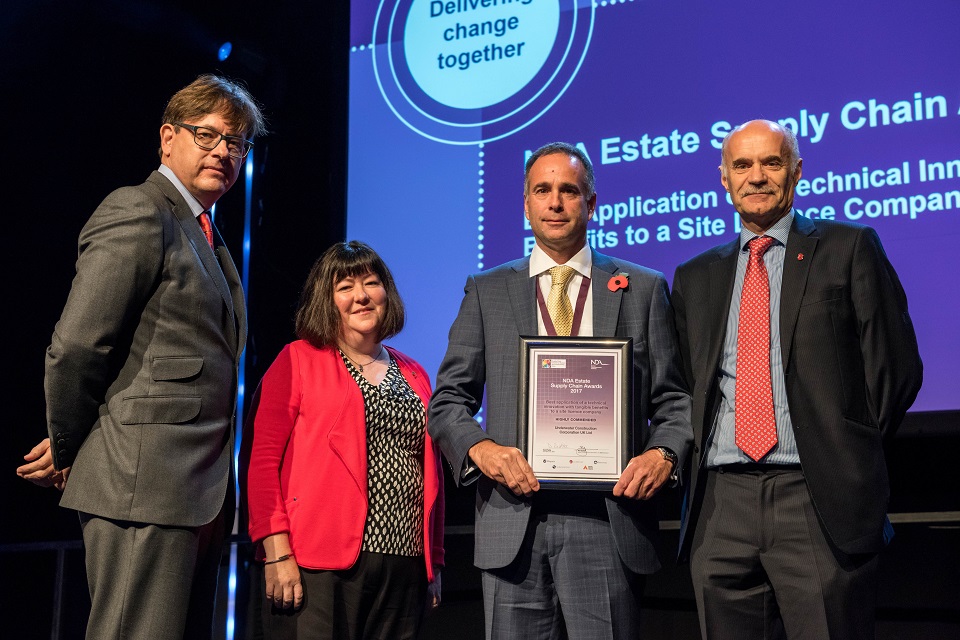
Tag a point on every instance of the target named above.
point(344, 486)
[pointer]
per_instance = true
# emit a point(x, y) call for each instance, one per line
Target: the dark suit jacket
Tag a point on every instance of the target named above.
point(141, 373)
point(850, 361)
point(499, 306)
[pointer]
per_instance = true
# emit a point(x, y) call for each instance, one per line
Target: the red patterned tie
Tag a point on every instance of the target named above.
point(755, 417)
point(207, 226)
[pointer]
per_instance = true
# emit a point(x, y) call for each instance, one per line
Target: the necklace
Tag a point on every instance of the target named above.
point(361, 366)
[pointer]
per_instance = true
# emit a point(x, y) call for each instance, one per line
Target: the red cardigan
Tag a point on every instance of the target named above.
point(308, 462)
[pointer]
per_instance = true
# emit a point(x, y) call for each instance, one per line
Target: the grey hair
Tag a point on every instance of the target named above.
point(789, 142)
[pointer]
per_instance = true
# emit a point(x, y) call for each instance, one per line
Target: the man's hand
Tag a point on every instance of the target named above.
point(643, 476)
point(39, 468)
point(506, 465)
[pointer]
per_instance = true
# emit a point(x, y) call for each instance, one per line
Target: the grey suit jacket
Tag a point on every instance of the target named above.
point(141, 373)
point(499, 306)
point(850, 361)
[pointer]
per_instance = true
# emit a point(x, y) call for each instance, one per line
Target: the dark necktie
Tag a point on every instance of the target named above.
point(206, 226)
point(755, 417)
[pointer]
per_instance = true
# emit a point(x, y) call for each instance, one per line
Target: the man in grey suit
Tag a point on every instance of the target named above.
point(560, 560)
point(788, 486)
point(141, 378)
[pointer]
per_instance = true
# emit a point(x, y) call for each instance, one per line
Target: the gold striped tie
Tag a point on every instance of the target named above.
point(558, 302)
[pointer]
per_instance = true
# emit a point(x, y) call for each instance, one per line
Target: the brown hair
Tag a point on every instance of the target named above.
point(318, 319)
point(214, 94)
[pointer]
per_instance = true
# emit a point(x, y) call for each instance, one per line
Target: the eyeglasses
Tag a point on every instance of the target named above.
point(207, 138)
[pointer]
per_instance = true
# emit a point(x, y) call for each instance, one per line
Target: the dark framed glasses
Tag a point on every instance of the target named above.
point(207, 138)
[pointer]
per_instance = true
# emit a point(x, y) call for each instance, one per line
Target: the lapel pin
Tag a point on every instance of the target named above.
point(799, 256)
point(618, 282)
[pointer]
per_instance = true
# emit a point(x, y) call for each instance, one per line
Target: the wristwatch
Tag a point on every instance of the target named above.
point(672, 457)
point(668, 455)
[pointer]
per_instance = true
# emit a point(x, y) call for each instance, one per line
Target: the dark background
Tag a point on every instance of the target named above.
point(84, 86)
point(83, 89)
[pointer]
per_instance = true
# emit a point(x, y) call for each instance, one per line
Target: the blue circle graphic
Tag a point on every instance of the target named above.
point(469, 71)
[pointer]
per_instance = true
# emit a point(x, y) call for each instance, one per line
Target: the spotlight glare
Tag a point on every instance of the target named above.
point(224, 52)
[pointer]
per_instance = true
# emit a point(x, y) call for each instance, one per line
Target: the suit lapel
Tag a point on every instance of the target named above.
point(195, 235)
point(207, 257)
point(523, 297)
point(236, 291)
point(722, 273)
point(606, 303)
point(801, 244)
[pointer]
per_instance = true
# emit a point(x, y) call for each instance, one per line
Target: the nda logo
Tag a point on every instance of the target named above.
point(598, 364)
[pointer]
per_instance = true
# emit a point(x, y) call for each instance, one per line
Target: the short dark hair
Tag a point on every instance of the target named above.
point(214, 94)
point(318, 319)
point(568, 150)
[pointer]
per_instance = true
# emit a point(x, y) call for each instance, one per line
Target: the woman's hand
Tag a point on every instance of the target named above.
point(433, 592)
point(282, 586)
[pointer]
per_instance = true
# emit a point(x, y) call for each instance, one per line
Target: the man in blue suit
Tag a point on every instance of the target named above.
point(555, 560)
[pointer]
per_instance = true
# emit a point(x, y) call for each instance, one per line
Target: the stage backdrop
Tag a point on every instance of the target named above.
point(447, 97)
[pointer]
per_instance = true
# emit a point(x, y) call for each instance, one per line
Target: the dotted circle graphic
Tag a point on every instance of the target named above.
point(457, 126)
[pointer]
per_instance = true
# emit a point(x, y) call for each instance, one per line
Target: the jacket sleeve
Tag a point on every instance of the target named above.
point(459, 390)
point(669, 399)
point(891, 359)
point(276, 414)
point(119, 264)
point(437, 554)
point(438, 515)
point(417, 377)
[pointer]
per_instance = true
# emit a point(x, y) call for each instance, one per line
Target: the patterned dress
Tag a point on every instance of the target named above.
point(396, 423)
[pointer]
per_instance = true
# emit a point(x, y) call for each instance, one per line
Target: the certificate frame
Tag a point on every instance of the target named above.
point(575, 424)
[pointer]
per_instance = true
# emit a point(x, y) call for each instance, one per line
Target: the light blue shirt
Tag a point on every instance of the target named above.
point(722, 447)
point(192, 202)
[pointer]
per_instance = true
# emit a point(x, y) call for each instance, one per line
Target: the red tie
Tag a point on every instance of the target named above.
point(755, 417)
point(207, 226)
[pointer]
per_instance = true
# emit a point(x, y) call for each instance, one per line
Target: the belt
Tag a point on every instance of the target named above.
point(755, 467)
point(572, 503)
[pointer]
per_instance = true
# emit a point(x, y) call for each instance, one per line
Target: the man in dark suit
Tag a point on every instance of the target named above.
point(141, 378)
point(555, 559)
point(802, 359)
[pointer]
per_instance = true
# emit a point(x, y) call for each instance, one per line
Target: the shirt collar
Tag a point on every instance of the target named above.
point(779, 231)
point(192, 202)
point(540, 262)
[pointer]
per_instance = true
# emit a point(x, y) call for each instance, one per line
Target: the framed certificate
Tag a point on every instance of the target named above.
point(575, 409)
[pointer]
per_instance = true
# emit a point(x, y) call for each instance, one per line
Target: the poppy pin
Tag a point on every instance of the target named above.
point(619, 281)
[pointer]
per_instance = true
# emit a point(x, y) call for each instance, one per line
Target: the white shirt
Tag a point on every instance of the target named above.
point(582, 263)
